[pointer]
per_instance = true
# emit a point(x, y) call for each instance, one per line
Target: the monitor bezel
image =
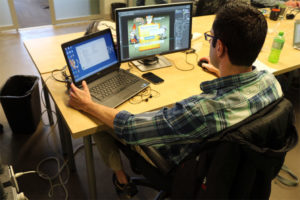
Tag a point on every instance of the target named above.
point(118, 10)
point(96, 75)
point(297, 23)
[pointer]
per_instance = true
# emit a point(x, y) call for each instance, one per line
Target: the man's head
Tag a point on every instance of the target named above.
point(241, 30)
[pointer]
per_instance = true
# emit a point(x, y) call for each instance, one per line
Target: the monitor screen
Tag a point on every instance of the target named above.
point(153, 30)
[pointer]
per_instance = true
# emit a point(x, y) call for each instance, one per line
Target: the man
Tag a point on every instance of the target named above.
point(236, 38)
point(271, 3)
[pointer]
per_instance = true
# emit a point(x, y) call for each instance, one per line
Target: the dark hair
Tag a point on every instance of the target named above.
point(242, 28)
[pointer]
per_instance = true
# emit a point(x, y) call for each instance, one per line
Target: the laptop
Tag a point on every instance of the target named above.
point(93, 58)
point(296, 42)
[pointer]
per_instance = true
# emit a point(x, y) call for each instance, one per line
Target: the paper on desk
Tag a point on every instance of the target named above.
point(261, 66)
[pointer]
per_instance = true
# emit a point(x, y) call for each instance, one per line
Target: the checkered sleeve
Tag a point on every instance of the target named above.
point(158, 127)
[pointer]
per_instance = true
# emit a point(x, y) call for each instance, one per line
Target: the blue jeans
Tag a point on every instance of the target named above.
point(142, 2)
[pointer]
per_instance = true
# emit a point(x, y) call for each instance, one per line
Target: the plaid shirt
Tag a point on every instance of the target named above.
point(224, 102)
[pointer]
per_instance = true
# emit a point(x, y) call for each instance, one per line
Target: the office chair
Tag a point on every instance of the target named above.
point(240, 162)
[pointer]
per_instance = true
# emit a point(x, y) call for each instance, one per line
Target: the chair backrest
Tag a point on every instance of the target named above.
point(242, 160)
point(229, 164)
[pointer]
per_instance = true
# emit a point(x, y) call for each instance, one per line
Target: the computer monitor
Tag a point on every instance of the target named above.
point(145, 33)
point(297, 35)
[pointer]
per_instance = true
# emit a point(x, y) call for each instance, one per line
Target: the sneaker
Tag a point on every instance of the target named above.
point(124, 191)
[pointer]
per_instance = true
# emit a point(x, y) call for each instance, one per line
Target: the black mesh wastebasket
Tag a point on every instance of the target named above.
point(20, 99)
point(114, 6)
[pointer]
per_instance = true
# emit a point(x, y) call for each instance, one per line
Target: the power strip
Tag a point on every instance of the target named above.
point(9, 188)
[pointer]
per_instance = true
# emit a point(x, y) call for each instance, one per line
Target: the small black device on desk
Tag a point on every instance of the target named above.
point(152, 78)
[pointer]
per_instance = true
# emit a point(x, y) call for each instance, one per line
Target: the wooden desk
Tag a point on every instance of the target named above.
point(47, 55)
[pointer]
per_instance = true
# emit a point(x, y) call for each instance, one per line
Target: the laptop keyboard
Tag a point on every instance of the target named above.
point(113, 85)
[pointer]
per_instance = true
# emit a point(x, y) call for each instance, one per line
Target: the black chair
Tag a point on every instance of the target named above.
point(240, 162)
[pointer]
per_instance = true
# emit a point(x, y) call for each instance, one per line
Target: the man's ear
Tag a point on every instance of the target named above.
point(220, 47)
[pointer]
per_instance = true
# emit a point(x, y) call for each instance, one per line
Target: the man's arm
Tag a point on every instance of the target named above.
point(267, 3)
point(158, 127)
point(81, 100)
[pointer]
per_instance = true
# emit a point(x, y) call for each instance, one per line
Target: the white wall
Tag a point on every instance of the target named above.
point(65, 9)
point(107, 3)
point(5, 16)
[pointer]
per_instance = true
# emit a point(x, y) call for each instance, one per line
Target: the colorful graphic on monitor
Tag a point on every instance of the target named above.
point(148, 34)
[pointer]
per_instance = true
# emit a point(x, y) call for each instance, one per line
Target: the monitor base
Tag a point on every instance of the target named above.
point(161, 63)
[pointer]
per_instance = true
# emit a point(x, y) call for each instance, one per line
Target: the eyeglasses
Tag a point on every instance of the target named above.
point(208, 36)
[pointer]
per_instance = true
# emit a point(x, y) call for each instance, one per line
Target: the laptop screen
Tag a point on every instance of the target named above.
point(90, 54)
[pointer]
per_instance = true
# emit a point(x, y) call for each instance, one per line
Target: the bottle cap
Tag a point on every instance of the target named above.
point(281, 33)
point(275, 9)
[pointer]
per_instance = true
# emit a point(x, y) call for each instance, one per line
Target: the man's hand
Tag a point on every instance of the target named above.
point(80, 99)
point(293, 3)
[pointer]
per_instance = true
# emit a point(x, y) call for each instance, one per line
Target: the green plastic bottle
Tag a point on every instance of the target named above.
point(277, 46)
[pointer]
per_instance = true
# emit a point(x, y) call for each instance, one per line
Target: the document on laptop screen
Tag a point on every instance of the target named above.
point(90, 56)
point(92, 53)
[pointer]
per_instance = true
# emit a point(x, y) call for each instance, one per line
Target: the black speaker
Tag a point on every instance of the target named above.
point(114, 6)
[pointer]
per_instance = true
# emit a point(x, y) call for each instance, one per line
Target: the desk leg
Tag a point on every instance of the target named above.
point(48, 105)
point(89, 159)
point(61, 130)
point(66, 140)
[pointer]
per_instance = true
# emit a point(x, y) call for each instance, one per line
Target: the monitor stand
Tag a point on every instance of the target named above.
point(151, 63)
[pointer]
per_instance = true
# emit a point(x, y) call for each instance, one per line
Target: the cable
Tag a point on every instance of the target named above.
point(60, 168)
point(186, 60)
point(66, 77)
point(44, 104)
point(144, 96)
point(188, 52)
point(130, 66)
point(63, 68)
point(80, 147)
point(43, 112)
point(17, 175)
point(57, 159)
point(58, 174)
